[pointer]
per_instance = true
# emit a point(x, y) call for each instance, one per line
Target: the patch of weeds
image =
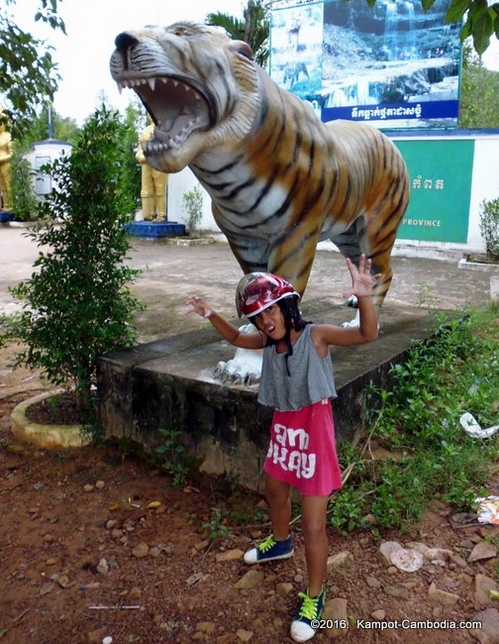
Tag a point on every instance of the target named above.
point(128, 447)
point(496, 570)
point(217, 527)
point(172, 450)
point(493, 539)
point(239, 516)
point(95, 432)
point(347, 509)
point(55, 473)
point(233, 482)
point(426, 299)
point(416, 418)
point(399, 499)
point(246, 514)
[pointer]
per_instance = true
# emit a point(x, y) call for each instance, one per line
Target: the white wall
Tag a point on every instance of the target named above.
point(485, 183)
point(178, 185)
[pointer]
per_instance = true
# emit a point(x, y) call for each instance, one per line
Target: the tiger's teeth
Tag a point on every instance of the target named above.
point(152, 83)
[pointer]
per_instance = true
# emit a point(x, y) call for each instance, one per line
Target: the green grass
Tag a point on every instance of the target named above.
point(416, 418)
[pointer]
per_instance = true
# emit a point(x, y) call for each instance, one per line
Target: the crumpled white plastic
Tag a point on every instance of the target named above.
point(472, 427)
point(488, 509)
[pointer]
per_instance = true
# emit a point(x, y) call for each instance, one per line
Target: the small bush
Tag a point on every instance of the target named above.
point(24, 202)
point(489, 226)
point(193, 205)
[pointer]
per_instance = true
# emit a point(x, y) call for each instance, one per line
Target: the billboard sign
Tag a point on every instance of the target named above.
point(392, 65)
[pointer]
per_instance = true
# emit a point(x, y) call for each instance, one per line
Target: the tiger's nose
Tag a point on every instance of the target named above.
point(125, 41)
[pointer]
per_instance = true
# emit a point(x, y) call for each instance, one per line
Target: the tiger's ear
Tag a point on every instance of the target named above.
point(241, 47)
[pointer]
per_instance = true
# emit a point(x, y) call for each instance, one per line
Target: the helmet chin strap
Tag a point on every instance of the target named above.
point(288, 344)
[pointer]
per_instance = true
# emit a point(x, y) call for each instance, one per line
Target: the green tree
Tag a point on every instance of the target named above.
point(479, 92)
point(135, 121)
point(77, 304)
point(253, 28)
point(24, 202)
point(48, 123)
point(481, 21)
point(28, 74)
point(66, 129)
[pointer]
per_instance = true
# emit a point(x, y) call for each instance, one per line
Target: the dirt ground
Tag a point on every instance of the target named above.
point(94, 543)
point(84, 557)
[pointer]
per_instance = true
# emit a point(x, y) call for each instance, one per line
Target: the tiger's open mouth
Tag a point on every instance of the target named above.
point(176, 106)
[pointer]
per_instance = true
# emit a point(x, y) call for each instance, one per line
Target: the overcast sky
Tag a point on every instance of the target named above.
point(92, 25)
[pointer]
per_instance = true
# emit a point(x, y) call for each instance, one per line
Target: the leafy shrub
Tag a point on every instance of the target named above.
point(24, 202)
point(172, 455)
point(77, 304)
point(489, 226)
point(193, 205)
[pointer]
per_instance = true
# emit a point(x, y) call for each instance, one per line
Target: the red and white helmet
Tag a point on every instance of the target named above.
point(257, 291)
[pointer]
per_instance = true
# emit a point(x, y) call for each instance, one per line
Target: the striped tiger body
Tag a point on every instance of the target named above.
point(280, 180)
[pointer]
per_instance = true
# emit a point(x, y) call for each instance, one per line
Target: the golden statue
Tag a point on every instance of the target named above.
point(5, 156)
point(154, 183)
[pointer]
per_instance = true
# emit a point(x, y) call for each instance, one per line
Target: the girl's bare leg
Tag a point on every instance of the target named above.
point(278, 498)
point(313, 524)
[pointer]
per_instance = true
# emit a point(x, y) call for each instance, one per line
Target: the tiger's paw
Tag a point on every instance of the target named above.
point(244, 368)
point(352, 323)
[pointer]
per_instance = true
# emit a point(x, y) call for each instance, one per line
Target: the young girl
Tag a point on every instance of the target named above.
point(297, 381)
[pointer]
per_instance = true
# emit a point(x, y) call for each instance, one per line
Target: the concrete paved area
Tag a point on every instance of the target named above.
point(168, 380)
point(171, 272)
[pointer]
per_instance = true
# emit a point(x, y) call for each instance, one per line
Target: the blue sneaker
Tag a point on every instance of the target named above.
point(269, 550)
point(309, 610)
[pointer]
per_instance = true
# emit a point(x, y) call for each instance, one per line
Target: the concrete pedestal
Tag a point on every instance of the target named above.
point(169, 384)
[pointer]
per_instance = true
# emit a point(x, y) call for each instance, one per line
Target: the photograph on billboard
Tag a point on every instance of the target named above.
point(391, 65)
point(296, 36)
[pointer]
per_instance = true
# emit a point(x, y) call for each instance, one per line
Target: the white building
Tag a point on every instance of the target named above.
point(41, 153)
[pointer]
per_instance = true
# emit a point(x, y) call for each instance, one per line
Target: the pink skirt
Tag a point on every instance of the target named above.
point(302, 450)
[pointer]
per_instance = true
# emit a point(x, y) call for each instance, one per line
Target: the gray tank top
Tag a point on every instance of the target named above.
point(311, 376)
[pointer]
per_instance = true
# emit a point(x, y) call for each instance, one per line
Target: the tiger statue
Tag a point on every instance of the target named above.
point(280, 179)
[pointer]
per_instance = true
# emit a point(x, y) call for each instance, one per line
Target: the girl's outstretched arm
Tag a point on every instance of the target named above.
point(226, 330)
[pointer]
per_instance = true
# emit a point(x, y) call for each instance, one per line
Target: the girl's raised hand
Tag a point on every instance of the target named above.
point(362, 280)
point(196, 304)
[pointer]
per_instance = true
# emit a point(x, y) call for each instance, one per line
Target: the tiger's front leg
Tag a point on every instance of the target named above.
point(244, 368)
point(292, 255)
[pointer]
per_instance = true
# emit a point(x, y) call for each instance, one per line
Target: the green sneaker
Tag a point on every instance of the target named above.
point(309, 611)
point(270, 550)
